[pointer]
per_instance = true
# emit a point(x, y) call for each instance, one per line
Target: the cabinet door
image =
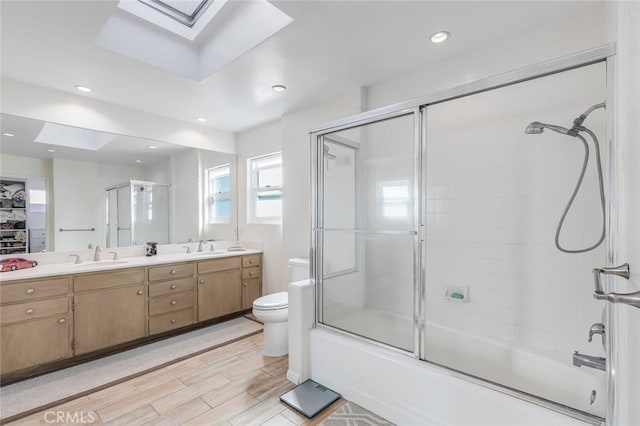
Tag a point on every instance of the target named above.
point(108, 317)
point(250, 291)
point(34, 342)
point(219, 294)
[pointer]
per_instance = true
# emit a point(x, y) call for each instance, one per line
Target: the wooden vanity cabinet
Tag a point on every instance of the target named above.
point(109, 309)
point(219, 294)
point(36, 323)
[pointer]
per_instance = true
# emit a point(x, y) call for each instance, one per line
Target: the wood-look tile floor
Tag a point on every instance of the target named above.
point(231, 385)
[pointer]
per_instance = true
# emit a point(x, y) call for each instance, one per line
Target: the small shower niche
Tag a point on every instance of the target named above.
point(137, 212)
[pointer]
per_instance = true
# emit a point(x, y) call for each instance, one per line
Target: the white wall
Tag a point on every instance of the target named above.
point(626, 24)
point(26, 100)
point(79, 194)
point(185, 195)
point(262, 140)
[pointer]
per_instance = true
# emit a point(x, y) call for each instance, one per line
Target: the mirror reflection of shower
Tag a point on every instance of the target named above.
point(333, 160)
point(535, 128)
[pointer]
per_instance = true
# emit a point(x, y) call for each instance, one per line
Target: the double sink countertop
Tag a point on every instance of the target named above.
point(68, 268)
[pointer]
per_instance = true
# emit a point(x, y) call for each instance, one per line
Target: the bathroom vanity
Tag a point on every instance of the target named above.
point(55, 315)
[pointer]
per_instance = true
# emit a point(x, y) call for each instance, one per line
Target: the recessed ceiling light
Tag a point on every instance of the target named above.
point(439, 37)
point(152, 147)
point(84, 89)
point(279, 88)
point(138, 161)
point(8, 134)
point(51, 150)
point(201, 119)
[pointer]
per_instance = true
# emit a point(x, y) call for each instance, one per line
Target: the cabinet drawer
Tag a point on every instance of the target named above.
point(171, 320)
point(108, 279)
point(34, 290)
point(171, 302)
point(37, 244)
point(170, 287)
point(252, 272)
point(216, 265)
point(167, 272)
point(36, 309)
point(251, 260)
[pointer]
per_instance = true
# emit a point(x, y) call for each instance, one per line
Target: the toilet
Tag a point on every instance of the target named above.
point(273, 311)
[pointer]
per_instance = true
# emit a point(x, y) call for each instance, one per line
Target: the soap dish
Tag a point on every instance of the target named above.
point(457, 294)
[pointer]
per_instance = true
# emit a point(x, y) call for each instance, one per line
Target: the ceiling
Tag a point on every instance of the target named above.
point(329, 48)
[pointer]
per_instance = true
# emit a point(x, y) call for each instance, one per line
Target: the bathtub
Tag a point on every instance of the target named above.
point(407, 391)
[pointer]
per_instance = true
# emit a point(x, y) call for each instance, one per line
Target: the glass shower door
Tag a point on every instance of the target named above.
point(366, 229)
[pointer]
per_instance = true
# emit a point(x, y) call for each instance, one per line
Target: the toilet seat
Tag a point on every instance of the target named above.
point(272, 302)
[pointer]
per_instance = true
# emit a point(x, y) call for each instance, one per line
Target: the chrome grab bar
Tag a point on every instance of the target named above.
point(76, 229)
point(632, 299)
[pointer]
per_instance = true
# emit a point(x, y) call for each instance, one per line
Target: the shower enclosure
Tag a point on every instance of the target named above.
point(433, 233)
point(137, 212)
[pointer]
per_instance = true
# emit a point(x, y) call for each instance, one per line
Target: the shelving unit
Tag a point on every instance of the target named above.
point(14, 238)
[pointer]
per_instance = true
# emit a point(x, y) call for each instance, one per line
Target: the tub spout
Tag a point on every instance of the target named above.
point(596, 362)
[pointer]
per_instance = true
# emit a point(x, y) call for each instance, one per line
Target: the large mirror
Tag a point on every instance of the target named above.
point(82, 188)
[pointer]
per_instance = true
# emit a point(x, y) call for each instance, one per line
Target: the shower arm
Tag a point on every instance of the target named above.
point(580, 119)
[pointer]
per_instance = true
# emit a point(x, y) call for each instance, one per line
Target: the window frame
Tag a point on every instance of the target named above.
point(253, 190)
point(210, 193)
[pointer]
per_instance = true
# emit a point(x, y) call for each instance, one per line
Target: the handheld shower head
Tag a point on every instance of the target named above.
point(536, 127)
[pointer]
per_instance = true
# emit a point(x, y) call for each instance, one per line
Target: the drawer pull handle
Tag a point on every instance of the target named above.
point(62, 320)
point(201, 281)
point(29, 311)
point(173, 302)
point(251, 274)
point(173, 286)
point(172, 272)
point(244, 284)
point(139, 292)
point(31, 290)
point(250, 260)
point(173, 320)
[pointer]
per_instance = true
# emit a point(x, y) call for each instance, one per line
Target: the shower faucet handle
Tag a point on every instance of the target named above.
point(597, 328)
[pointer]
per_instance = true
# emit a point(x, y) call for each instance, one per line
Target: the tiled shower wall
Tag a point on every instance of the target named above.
point(494, 197)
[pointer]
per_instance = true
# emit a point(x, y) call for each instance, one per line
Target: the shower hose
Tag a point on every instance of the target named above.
point(577, 188)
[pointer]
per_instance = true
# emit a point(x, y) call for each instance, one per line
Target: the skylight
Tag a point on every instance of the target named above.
point(73, 137)
point(187, 12)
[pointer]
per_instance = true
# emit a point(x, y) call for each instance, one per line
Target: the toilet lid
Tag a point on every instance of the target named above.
point(272, 301)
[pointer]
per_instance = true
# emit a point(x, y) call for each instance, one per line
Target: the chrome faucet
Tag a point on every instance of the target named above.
point(597, 362)
point(115, 255)
point(188, 249)
point(77, 256)
point(201, 245)
point(96, 254)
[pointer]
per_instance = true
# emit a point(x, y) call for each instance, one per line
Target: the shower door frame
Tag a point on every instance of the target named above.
point(317, 191)
point(606, 54)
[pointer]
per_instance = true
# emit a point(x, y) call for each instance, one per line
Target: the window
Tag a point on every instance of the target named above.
point(395, 199)
point(265, 189)
point(218, 195)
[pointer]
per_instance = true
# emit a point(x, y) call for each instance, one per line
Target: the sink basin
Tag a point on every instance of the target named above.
point(102, 263)
point(207, 253)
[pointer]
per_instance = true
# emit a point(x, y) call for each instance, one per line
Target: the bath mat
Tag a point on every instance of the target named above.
point(49, 389)
point(351, 414)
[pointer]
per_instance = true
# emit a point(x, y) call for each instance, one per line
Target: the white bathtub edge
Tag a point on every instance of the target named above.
point(410, 392)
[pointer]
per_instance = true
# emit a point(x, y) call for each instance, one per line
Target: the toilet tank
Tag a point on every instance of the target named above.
point(299, 269)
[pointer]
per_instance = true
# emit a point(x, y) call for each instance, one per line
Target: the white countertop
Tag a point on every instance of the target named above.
point(67, 268)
